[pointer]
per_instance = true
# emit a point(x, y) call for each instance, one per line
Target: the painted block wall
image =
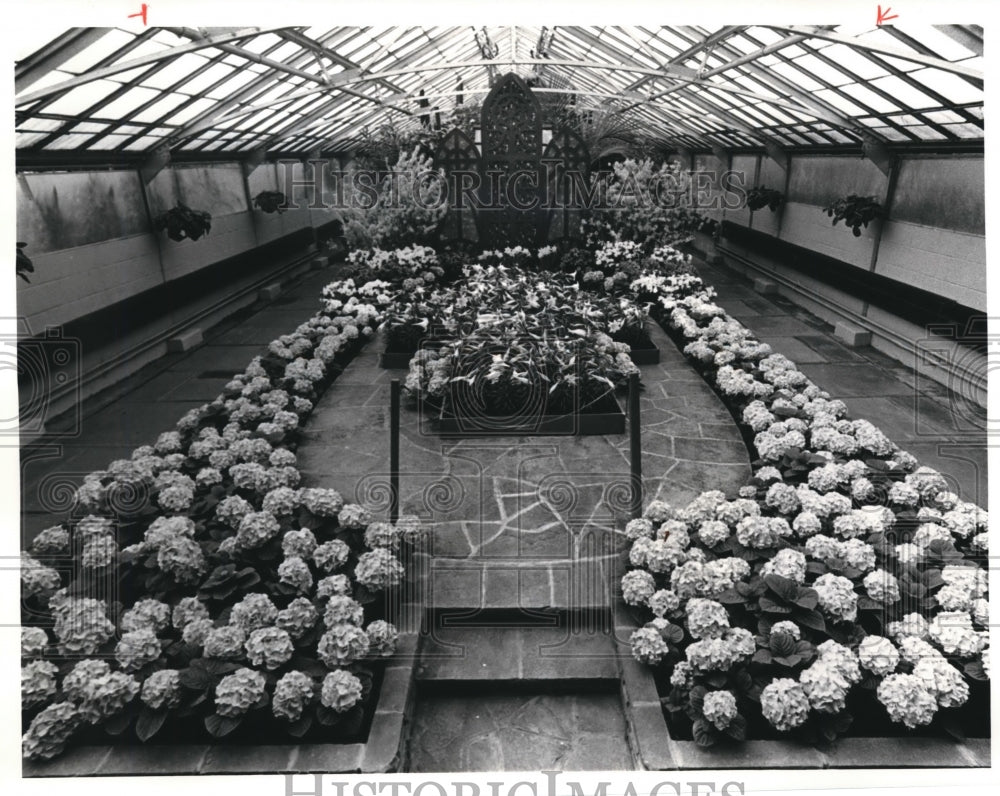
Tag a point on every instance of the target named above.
point(79, 266)
point(933, 237)
point(91, 241)
point(746, 167)
point(771, 175)
point(709, 190)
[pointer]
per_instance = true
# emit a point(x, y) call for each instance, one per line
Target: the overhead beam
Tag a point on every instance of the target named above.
point(895, 52)
point(54, 54)
point(709, 41)
point(254, 89)
point(135, 63)
point(346, 78)
point(279, 66)
point(964, 35)
point(321, 51)
point(223, 112)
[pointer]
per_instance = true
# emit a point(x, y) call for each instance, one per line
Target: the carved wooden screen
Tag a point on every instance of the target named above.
point(567, 169)
point(510, 213)
point(458, 155)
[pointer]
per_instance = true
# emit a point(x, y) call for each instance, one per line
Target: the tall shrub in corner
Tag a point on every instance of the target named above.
point(408, 208)
point(640, 201)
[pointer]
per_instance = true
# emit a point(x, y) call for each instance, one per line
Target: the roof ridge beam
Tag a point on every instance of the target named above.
point(135, 63)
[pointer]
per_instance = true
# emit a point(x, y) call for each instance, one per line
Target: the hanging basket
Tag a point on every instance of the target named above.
point(182, 222)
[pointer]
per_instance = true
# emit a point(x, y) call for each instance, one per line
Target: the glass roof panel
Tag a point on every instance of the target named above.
point(274, 107)
point(78, 99)
point(175, 71)
point(129, 101)
point(903, 92)
point(874, 101)
point(939, 43)
point(859, 64)
point(187, 113)
point(949, 85)
point(89, 57)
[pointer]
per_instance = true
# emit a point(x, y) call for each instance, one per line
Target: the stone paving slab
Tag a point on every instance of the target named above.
point(518, 732)
point(535, 515)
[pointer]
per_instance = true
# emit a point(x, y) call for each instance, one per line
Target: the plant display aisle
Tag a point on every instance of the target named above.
point(534, 524)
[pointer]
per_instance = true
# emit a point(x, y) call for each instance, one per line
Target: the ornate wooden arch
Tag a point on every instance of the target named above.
point(511, 211)
point(567, 168)
point(459, 157)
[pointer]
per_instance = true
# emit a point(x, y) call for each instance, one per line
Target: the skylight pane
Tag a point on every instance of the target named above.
point(160, 108)
point(128, 102)
point(940, 43)
point(97, 51)
point(24, 140)
point(856, 62)
point(232, 85)
point(174, 72)
point(184, 115)
point(82, 97)
point(822, 70)
point(214, 73)
point(870, 98)
point(67, 141)
point(840, 102)
point(144, 143)
point(802, 79)
point(966, 130)
point(904, 93)
point(949, 85)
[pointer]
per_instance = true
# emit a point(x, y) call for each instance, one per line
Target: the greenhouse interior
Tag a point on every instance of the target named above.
point(502, 398)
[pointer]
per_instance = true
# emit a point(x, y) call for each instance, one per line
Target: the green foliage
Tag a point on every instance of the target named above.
point(643, 202)
point(855, 211)
point(409, 206)
point(762, 196)
point(182, 222)
point(23, 264)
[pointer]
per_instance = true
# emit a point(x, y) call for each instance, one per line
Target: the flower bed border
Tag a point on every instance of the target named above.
point(400, 360)
point(655, 750)
point(581, 424)
point(645, 356)
point(395, 360)
point(382, 753)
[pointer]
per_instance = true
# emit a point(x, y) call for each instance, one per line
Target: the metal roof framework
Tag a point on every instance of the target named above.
point(299, 90)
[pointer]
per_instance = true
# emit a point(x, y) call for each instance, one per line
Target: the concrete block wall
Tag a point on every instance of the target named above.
point(933, 238)
point(91, 241)
point(71, 283)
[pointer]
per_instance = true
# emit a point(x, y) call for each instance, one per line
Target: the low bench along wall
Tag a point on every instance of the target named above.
point(939, 338)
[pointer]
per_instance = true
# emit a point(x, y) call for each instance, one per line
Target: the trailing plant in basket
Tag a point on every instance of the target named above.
point(23, 262)
point(182, 222)
point(855, 211)
point(762, 196)
point(270, 201)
